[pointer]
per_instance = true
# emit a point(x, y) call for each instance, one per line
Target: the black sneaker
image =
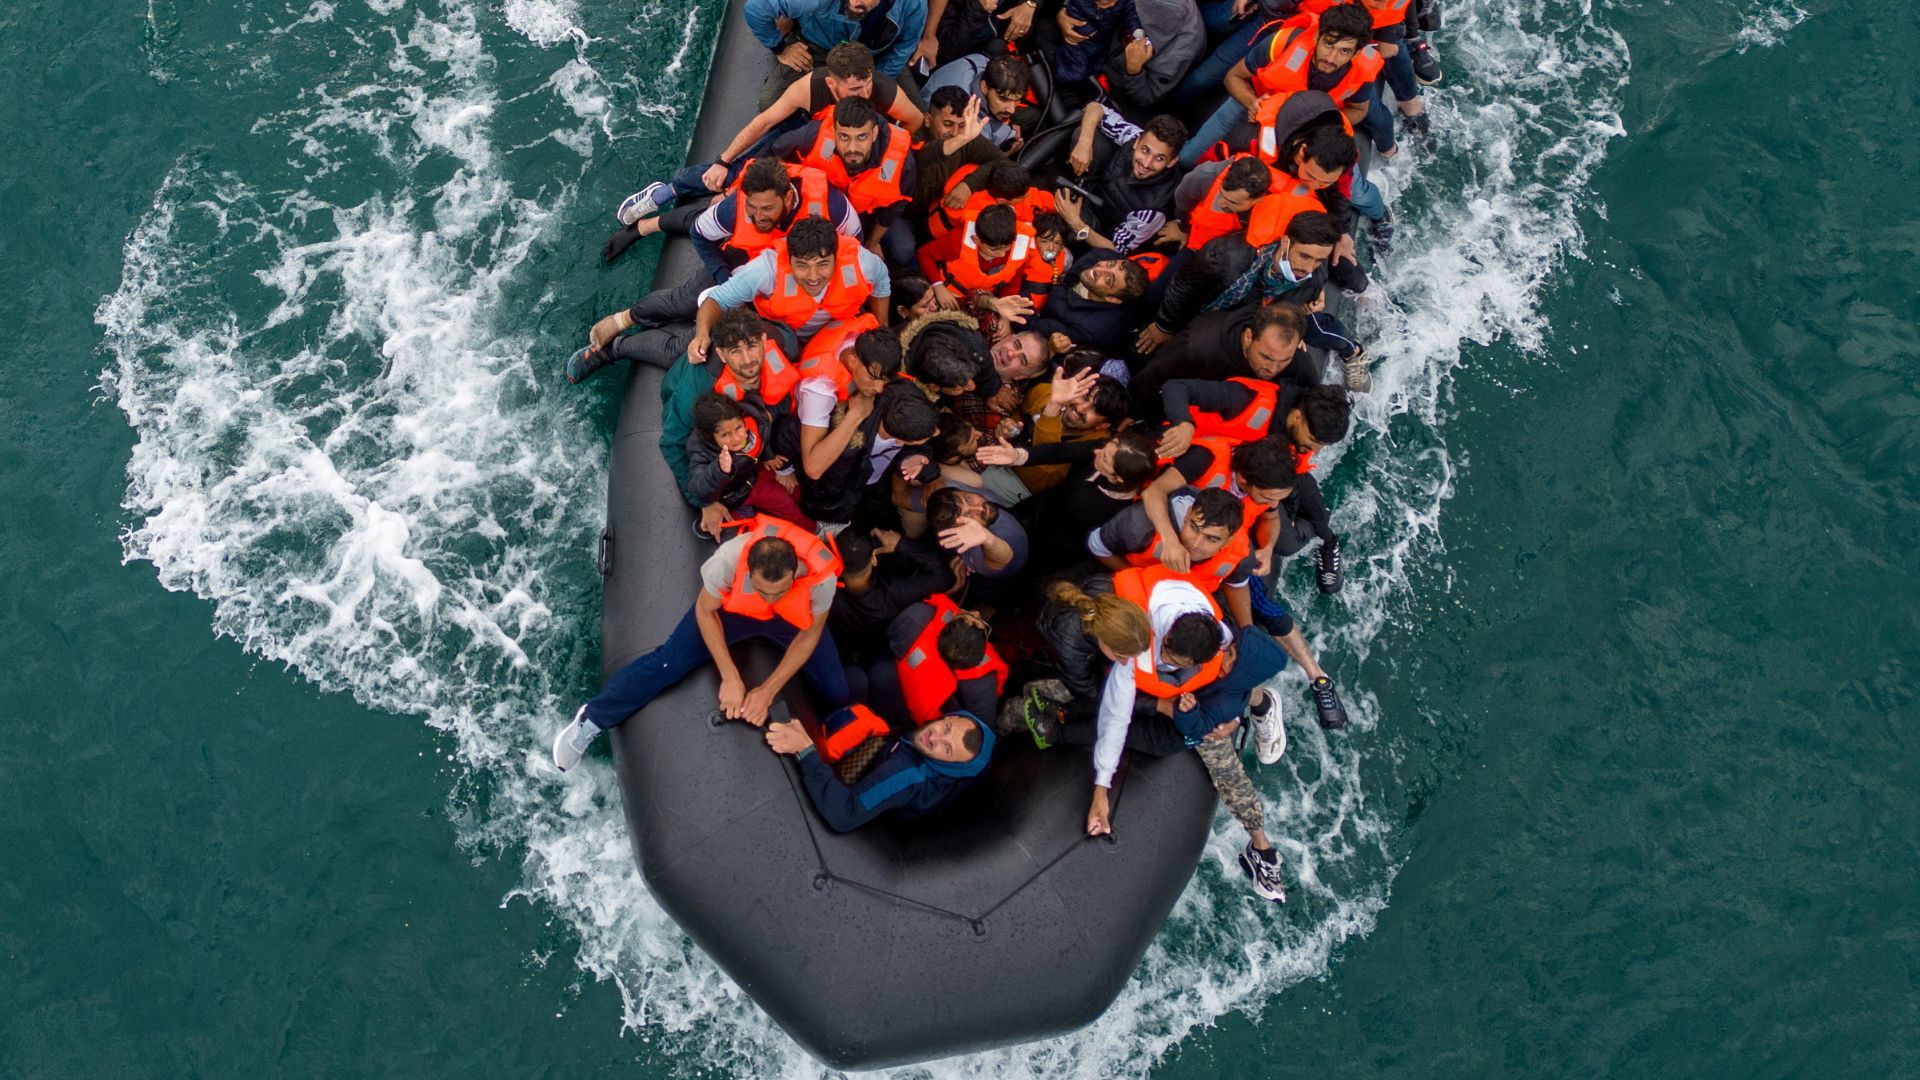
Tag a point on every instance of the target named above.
point(1426, 66)
point(1264, 868)
point(1329, 570)
point(1419, 129)
point(1038, 714)
point(584, 363)
point(1326, 701)
point(1380, 236)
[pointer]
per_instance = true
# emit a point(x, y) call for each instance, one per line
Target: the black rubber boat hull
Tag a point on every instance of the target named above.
point(992, 922)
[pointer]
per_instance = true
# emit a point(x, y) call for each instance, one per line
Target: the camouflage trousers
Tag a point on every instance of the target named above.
point(1230, 779)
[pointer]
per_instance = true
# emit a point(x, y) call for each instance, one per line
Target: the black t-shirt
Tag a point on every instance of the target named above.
point(905, 577)
point(885, 92)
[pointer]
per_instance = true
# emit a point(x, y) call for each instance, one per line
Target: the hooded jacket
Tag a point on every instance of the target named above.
point(903, 781)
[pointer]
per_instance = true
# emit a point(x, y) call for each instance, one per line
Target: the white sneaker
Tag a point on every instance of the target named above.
point(1269, 729)
point(1264, 868)
point(571, 743)
point(643, 203)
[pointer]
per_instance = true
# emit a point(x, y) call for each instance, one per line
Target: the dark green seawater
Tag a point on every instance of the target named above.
point(298, 520)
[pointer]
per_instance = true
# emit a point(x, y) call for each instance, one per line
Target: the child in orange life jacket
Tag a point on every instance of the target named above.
point(990, 263)
point(1047, 265)
point(730, 468)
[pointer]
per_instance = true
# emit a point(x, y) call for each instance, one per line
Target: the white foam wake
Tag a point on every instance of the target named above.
point(350, 441)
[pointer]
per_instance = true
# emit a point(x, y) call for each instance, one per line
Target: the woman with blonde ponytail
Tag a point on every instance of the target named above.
point(1088, 629)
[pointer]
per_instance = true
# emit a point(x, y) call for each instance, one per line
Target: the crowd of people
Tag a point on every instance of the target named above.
point(1014, 322)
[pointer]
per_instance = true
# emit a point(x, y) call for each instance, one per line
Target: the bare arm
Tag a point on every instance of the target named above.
point(789, 102)
point(1173, 554)
point(819, 448)
point(1240, 88)
point(706, 613)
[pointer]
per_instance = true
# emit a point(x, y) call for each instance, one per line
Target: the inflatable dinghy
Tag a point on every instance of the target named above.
point(993, 921)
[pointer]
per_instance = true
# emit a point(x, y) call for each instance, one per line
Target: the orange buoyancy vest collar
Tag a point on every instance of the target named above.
point(847, 290)
point(1269, 218)
point(1206, 576)
point(966, 272)
point(1206, 222)
point(749, 238)
point(1289, 60)
point(1136, 584)
point(943, 220)
point(777, 378)
point(818, 563)
point(869, 189)
point(926, 680)
point(1249, 425)
point(823, 358)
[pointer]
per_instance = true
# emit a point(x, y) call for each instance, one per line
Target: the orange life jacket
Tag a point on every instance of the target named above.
point(926, 681)
point(1038, 276)
point(1205, 223)
point(1219, 474)
point(1249, 425)
point(865, 725)
point(822, 356)
point(847, 290)
point(750, 239)
point(943, 220)
point(1384, 12)
point(872, 188)
point(1269, 218)
point(1289, 59)
point(1302, 459)
point(964, 271)
point(1207, 576)
point(1136, 584)
point(818, 563)
point(777, 378)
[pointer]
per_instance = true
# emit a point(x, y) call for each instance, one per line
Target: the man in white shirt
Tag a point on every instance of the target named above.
point(1202, 678)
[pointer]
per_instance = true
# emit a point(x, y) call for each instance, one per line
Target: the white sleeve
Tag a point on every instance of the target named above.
point(875, 268)
point(1095, 545)
point(1116, 716)
point(814, 400)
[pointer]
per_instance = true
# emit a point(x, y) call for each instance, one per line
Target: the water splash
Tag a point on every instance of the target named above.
point(350, 442)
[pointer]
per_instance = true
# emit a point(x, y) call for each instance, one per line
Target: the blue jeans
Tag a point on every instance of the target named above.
point(686, 181)
point(1400, 75)
point(1365, 198)
point(1210, 74)
point(1269, 613)
point(1219, 125)
point(1260, 659)
point(647, 676)
point(1378, 123)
